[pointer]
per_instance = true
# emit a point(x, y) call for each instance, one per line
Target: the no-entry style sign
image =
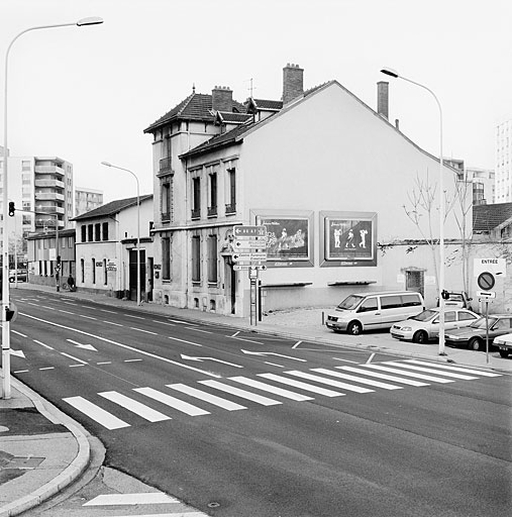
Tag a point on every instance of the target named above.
point(486, 281)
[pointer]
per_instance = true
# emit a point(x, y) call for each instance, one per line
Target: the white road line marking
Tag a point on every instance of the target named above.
point(87, 317)
point(96, 413)
point(134, 317)
point(297, 344)
point(184, 341)
point(183, 322)
point(301, 385)
point(76, 365)
point(274, 364)
point(164, 323)
point(132, 360)
point(134, 406)
point(70, 303)
point(74, 358)
point(112, 323)
point(368, 382)
point(329, 382)
point(145, 331)
point(42, 344)
point(106, 310)
point(384, 376)
point(18, 333)
point(20, 371)
point(432, 370)
point(370, 359)
point(207, 397)
point(408, 374)
point(271, 389)
point(455, 368)
point(66, 312)
point(104, 362)
point(131, 499)
point(199, 330)
point(126, 347)
point(264, 401)
point(46, 307)
point(47, 368)
point(73, 342)
point(178, 404)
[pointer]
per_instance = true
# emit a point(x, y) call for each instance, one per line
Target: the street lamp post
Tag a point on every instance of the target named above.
point(108, 164)
point(396, 75)
point(6, 336)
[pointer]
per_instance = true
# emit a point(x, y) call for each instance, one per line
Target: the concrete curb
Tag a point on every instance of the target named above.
point(74, 470)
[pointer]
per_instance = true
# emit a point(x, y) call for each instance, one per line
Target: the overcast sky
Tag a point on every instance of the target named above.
point(86, 94)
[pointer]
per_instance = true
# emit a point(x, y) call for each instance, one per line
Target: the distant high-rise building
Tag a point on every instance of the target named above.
point(483, 181)
point(87, 199)
point(504, 162)
point(42, 190)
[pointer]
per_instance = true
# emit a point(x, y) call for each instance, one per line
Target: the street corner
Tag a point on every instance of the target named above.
point(27, 421)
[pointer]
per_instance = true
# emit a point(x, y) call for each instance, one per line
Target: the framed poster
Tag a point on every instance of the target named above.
point(290, 239)
point(349, 238)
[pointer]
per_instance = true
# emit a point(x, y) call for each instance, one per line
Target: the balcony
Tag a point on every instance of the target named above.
point(49, 209)
point(231, 208)
point(49, 196)
point(49, 183)
point(49, 169)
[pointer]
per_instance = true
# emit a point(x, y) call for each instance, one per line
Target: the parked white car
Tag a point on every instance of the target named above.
point(504, 344)
point(424, 327)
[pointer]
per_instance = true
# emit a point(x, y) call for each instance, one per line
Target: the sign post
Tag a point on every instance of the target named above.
point(251, 254)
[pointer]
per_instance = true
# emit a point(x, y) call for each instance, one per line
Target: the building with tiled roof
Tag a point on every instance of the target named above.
point(493, 220)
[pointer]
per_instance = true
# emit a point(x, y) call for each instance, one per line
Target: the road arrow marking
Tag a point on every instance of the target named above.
point(18, 353)
point(79, 345)
point(273, 353)
point(201, 359)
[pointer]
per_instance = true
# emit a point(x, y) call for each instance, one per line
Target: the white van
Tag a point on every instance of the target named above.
point(373, 310)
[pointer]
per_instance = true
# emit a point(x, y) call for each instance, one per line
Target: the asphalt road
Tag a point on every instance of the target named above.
point(242, 424)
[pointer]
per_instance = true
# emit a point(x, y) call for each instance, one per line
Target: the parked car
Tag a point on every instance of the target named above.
point(374, 310)
point(474, 336)
point(504, 344)
point(21, 277)
point(424, 327)
point(457, 299)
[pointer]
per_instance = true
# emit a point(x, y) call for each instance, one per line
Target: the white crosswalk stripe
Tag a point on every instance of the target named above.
point(460, 369)
point(408, 374)
point(385, 376)
point(452, 375)
point(389, 375)
point(96, 413)
point(329, 382)
point(301, 385)
point(212, 399)
point(264, 401)
point(131, 499)
point(175, 403)
point(360, 380)
point(271, 389)
point(136, 407)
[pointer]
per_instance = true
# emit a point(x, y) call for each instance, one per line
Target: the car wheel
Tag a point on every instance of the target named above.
point(354, 328)
point(504, 353)
point(420, 337)
point(474, 344)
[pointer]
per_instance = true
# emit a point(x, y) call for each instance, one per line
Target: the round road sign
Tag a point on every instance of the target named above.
point(486, 281)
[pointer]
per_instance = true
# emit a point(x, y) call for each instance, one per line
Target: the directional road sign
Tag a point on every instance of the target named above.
point(486, 294)
point(240, 230)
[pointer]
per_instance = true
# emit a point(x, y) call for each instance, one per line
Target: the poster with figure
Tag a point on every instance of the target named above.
point(289, 238)
point(349, 238)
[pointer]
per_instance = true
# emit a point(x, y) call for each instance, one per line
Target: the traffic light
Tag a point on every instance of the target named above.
point(11, 208)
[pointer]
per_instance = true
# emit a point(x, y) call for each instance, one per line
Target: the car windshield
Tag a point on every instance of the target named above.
point(425, 315)
point(481, 324)
point(350, 302)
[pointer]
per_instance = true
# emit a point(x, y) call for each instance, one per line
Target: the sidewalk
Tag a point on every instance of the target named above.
point(42, 450)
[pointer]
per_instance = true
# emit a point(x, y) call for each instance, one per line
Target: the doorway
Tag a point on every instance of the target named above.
point(133, 274)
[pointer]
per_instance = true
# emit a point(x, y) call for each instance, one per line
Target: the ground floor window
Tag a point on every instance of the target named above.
point(212, 259)
point(196, 258)
point(166, 258)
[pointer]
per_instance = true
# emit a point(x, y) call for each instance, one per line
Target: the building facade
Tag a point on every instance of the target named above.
point(106, 248)
point(87, 199)
point(504, 162)
point(327, 176)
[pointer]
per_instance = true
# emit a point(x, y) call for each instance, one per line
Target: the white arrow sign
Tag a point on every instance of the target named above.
point(18, 353)
point(201, 359)
point(273, 353)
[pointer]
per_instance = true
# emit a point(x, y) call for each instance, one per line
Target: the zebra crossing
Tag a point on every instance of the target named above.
point(292, 385)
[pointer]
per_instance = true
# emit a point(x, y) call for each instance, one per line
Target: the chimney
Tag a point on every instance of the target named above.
point(383, 99)
point(293, 82)
point(222, 98)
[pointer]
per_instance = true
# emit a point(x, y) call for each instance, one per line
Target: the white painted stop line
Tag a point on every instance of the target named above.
point(131, 499)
